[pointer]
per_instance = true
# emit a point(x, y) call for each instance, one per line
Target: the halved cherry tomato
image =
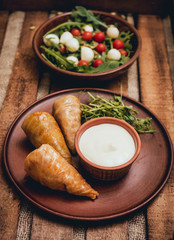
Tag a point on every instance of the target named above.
point(101, 48)
point(62, 48)
point(99, 37)
point(87, 36)
point(118, 44)
point(83, 62)
point(97, 62)
point(123, 52)
point(75, 32)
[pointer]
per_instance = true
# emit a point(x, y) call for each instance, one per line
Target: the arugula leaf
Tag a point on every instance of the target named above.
point(106, 66)
point(66, 25)
point(57, 59)
point(82, 14)
point(108, 43)
point(124, 36)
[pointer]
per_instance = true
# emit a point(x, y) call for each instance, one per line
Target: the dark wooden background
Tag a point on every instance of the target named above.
point(161, 7)
point(157, 7)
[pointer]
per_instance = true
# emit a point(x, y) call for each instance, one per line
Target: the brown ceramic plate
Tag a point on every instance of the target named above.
point(123, 25)
point(145, 179)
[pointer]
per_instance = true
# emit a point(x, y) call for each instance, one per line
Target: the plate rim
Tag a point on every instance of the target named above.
point(81, 218)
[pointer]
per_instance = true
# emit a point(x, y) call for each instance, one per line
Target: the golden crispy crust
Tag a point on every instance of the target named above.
point(48, 167)
point(42, 128)
point(67, 113)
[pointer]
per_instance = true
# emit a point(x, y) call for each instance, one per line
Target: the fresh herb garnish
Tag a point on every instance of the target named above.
point(82, 14)
point(102, 107)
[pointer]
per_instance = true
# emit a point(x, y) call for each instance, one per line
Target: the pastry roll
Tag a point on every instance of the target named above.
point(67, 113)
point(48, 167)
point(41, 128)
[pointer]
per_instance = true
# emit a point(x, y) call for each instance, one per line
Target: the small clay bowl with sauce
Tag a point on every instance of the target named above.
point(101, 172)
point(123, 25)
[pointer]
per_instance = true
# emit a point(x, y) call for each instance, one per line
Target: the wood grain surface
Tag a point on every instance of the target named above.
point(3, 24)
point(9, 200)
point(23, 80)
point(157, 94)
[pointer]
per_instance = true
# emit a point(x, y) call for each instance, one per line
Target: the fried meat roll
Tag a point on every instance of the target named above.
point(67, 113)
point(42, 128)
point(48, 167)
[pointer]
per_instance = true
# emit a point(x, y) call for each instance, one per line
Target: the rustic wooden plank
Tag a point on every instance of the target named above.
point(47, 226)
point(133, 82)
point(117, 230)
point(137, 226)
point(3, 24)
point(44, 83)
point(79, 232)
point(156, 92)
point(24, 221)
point(8, 199)
point(27, 67)
point(121, 82)
point(24, 77)
point(9, 50)
point(136, 223)
point(170, 46)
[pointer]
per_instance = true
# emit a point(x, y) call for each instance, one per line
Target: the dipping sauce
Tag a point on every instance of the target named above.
point(107, 145)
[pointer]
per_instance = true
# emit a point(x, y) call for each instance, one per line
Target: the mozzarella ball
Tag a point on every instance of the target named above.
point(112, 32)
point(51, 39)
point(72, 45)
point(88, 28)
point(114, 54)
point(87, 54)
point(73, 59)
point(65, 37)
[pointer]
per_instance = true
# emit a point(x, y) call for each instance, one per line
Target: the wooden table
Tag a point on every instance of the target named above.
point(22, 80)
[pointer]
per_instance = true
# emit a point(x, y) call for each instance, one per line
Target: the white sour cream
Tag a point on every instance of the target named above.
point(107, 145)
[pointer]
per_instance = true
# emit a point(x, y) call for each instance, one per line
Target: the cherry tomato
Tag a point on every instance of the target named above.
point(99, 37)
point(87, 36)
point(75, 32)
point(123, 52)
point(118, 44)
point(101, 48)
point(83, 62)
point(62, 48)
point(97, 62)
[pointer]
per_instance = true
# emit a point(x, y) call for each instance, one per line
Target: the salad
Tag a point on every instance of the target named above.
point(86, 44)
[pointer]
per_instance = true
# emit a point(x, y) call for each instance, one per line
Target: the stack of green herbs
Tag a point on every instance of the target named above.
point(102, 107)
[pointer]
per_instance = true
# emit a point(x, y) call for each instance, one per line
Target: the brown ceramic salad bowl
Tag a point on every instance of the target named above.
point(109, 19)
